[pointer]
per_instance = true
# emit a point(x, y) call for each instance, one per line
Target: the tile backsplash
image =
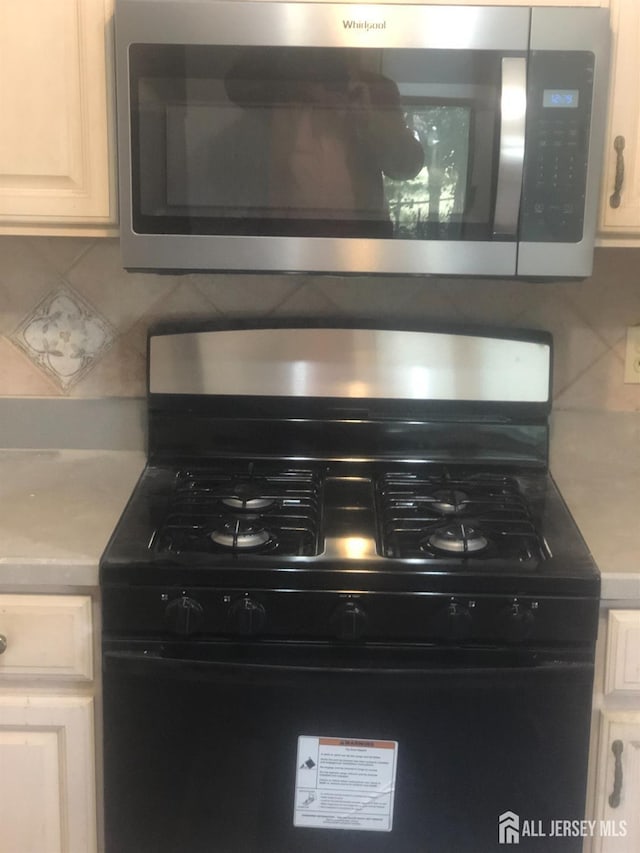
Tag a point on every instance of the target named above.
point(73, 322)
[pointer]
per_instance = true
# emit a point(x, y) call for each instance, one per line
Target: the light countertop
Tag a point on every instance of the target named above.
point(59, 507)
point(595, 460)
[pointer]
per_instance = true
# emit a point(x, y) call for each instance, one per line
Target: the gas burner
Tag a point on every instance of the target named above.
point(457, 513)
point(449, 500)
point(247, 495)
point(457, 538)
point(243, 507)
point(241, 534)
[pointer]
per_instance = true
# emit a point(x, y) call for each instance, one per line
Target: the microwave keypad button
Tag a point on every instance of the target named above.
point(556, 148)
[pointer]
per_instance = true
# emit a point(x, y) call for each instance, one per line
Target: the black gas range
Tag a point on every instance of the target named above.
point(359, 503)
point(349, 550)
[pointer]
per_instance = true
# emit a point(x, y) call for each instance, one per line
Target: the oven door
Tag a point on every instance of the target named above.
point(213, 748)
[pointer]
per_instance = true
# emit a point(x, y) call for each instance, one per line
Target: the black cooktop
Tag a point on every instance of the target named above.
point(391, 525)
point(274, 507)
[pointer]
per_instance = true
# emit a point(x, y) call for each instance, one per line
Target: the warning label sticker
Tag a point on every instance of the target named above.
point(345, 783)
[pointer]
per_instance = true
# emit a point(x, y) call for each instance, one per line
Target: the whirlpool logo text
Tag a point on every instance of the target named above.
point(350, 24)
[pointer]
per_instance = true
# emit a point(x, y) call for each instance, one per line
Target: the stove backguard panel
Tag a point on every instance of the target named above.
point(338, 392)
point(352, 363)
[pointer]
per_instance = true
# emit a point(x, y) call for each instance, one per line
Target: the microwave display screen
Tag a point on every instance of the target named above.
point(349, 142)
point(561, 98)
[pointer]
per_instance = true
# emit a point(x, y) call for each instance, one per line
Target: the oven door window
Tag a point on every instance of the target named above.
point(326, 142)
point(202, 752)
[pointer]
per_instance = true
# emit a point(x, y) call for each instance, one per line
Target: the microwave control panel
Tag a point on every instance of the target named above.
point(560, 88)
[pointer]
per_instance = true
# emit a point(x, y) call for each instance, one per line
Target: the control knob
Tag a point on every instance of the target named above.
point(184, 615)
point(457, 621)
point(247, 617)
point(517, 622)
point(349, 621)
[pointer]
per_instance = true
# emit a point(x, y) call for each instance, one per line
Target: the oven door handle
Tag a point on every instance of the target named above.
point(152, 664)
point(171, 670)
point(513, 111)
point(138, 663)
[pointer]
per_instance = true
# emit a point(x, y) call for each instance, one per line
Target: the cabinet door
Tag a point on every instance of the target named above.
point(47, 788)
point(624, 123)
point(623, 654)
point(618, 783)
point(54, 145)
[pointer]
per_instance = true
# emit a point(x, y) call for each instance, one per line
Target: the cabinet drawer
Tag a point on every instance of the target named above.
point(623, 653)
point(46, 636)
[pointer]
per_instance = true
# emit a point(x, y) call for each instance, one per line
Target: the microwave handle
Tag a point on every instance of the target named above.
point(513, 103)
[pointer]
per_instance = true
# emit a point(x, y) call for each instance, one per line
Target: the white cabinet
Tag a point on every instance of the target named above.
point(47, 741)
point(47, 787)
point(57, 160)
point(621, 223)
point(618, 783)
point(622, 671)
point(616, 757)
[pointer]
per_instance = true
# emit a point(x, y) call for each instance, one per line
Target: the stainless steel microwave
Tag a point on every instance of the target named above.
point(395, 139)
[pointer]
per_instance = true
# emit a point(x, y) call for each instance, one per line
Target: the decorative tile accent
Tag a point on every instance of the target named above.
point(64, 336)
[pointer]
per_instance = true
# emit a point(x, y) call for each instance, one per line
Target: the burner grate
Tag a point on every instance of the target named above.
point(235, 508)
point(456, 517)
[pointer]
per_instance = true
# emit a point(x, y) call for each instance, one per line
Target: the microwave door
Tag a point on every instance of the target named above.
point(225, 159)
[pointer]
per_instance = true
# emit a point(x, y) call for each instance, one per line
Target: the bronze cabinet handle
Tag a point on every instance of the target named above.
point(3, 643)
point(618, 145)
point(614, 796)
